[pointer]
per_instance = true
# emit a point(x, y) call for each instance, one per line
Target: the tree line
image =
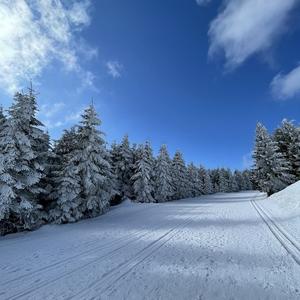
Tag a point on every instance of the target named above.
point(276, 157)
point(79, 176)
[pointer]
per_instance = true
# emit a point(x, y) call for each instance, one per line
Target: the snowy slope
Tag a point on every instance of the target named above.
point(213, 247)
point(284, 206)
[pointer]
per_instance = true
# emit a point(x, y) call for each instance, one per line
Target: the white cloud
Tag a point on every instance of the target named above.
point(34, 33)
point(203, 2)
point(247, 161)
point(286, 86)
point(246, 27)
point(58, 115)
point(49, 111)
point(114, 68)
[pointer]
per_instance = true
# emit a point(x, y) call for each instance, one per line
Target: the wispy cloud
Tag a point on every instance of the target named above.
point(35, 33)
point(286, 86)
point(49, 111)
point(58, 115)
point(203, 2)
point(247, 161)
point(114, 68)
point(246, 27)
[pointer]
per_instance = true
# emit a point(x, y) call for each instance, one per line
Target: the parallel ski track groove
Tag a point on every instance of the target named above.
point(109, 278)
point(27, 238)
point(100, 258)
point(89, 251)
point(292, 247)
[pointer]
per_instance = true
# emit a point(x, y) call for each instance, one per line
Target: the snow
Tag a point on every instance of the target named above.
point(210, 247)
point(284, 207)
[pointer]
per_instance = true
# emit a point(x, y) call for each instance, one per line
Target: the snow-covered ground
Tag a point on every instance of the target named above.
point(215, 247)
point(284, 207)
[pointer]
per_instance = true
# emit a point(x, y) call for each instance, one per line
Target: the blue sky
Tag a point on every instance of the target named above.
point(196, 75)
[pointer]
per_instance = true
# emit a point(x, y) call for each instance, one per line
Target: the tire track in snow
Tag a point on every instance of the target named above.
point(110, 255)
point(285, 239)
point(112, 276)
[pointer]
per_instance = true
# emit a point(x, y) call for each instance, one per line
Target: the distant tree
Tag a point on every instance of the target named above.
point(207, 183)
point(66, 181)
point(122, 161)
point(287, 137)
point(194, 186)
point(271, 169)
point(179, 176)
point(143, 175)
point(163, 180)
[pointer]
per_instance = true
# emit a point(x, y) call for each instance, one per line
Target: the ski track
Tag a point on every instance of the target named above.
point(285, 239)
point(223, 246)
point(111, 253)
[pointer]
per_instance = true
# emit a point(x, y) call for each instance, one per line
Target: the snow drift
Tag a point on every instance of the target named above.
point(284, 206)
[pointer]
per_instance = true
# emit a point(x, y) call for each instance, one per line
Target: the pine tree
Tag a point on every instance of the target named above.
point(179, 176)
point(194, 185)
point(65, 180)
point(163, 184)
point(223, 180)
point(271, 169)
point(122, 160)
point(86, 182)
point(234, 187)
point(207, 183)
point(287, 137)
point(143, 176)
point(93, 164)
point(247, 180)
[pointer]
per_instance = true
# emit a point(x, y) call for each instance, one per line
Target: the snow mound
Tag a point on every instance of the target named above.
point(284, 207)
point(289, 198)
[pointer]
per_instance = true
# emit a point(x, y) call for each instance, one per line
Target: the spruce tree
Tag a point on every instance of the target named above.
point(287, 137)
point(122, 160)
point(271, 169)
point(143, 174)
point(93, 164)
point(194, 186)
point(207, 183)
point(20, 164)
point(65, 180)
point(179, 176)
point(163, 184)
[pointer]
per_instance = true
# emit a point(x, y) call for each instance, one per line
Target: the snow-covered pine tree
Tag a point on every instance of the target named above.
point(85, 183)
point(234, 187)
point(8, 152)
point(207, 183)
point(193, 181)
point(179, 176)
point(122, 159)
point(247, 175)
point(143, 176)
point(93, 164)
point(21, 168)
point(65, 180)
point(271, 169)
point(115, 155)
point(224, 175)
point(2, 118)
point(287, 137)
point(202, 173)
point(163, 186)
point(214, 175)
point(239, 180)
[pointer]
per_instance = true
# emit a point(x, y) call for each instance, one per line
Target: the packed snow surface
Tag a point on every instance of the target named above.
point(284, 207)
point(214, 247)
